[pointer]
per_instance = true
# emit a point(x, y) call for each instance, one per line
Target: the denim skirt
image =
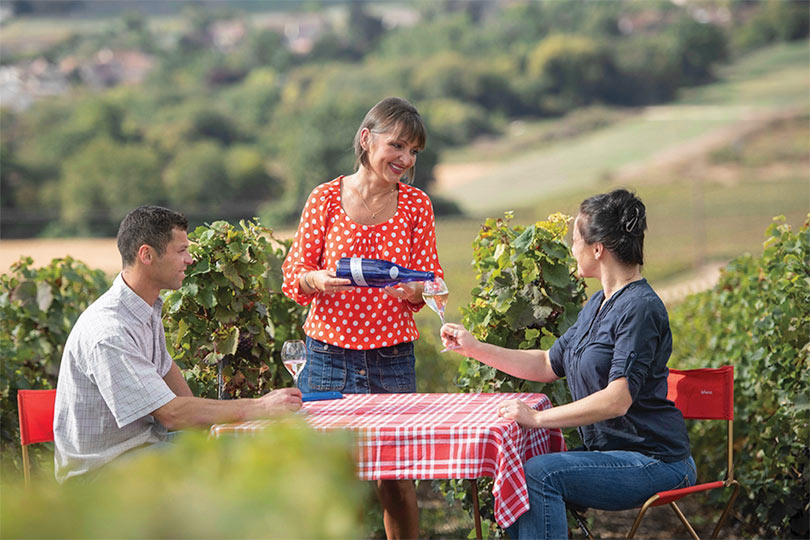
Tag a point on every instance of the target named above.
point(387, 370)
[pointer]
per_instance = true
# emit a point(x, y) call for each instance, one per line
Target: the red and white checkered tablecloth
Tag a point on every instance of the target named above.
point(433, 436)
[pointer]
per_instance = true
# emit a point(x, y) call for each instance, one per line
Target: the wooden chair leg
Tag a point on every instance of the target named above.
point(727, 509)
point(683, 519)
point(476, 512)
point(26, 465)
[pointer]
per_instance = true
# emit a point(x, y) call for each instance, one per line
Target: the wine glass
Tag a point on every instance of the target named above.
point(435, 294)
point(294, 357)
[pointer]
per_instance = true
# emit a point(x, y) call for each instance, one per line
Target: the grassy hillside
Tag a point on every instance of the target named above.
point(713, 170)
point(768, 82)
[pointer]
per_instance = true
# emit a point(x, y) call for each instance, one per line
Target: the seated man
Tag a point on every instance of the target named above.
point(118, 388)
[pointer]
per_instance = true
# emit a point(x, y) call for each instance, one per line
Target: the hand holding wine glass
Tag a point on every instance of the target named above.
point(294, 357)
point(457, 338)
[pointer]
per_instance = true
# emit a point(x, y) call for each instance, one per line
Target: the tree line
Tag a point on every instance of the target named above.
point(247, 130)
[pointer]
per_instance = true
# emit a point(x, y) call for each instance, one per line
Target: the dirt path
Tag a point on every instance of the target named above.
point(704, 279)
point(100, 253)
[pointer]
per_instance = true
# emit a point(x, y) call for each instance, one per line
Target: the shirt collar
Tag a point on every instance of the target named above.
point(134, 303)
point(627, 287)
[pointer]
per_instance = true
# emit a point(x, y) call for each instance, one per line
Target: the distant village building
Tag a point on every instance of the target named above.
point(24, 83)
point(300, 30)
point(111, 68)
point(21, 85)
point(226, 35)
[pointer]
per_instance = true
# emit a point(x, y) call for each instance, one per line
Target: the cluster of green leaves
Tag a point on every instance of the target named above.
point(287, 482)
point(230, 311)
point(528, 295)
point(37, 310)
point(757, 319)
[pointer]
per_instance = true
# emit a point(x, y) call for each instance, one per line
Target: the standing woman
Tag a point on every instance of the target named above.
point(360, 340)
point(615, 361)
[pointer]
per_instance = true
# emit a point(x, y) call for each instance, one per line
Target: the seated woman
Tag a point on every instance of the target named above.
point(615, 360)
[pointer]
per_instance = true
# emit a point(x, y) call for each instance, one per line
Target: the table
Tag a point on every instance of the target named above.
point(435, 436)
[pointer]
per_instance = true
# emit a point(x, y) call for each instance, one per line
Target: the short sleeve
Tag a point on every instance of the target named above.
point(307, 248)
point(129, 383)
point(638, 332)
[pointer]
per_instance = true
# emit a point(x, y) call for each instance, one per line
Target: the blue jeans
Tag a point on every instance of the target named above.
point(387, 370)
point(614, 480)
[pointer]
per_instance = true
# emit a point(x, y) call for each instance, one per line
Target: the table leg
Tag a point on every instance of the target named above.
point(476, 513)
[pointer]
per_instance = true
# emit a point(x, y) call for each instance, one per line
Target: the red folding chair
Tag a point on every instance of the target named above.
point(700, 394)
point(35, 408)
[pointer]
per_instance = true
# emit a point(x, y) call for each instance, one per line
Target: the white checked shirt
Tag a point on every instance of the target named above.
point(110, 380)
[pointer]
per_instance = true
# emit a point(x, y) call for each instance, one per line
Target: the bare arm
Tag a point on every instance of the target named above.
point(532, 365)
point(188, 411)
point(611, 402)
point(176, 382)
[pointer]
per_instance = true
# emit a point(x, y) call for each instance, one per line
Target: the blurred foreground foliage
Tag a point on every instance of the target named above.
point(757, 318)
point(38, 307)
point(230, 312)
point(286, 482)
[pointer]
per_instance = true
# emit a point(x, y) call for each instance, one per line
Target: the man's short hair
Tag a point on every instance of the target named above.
point(150, 225)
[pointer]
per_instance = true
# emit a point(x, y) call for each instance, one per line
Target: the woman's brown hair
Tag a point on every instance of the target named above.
point(392, 114)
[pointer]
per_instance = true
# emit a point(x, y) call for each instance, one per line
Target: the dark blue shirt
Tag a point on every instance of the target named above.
point(628, 337)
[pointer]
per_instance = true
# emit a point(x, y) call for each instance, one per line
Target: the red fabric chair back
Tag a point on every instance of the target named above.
point(36, 415)
point(703, 394)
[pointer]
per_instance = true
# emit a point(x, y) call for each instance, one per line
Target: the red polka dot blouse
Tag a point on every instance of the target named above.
point(362, 318)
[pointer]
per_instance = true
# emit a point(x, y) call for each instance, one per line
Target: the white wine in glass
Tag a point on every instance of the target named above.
point(435, 295)
point(294, 357)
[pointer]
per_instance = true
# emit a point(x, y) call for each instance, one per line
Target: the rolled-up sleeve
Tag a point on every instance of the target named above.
point(637, 333)
point(556, 352)
point(423, 253)
point(306, 252)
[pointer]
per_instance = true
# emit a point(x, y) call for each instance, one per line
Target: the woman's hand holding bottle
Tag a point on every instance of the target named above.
point(325, 281)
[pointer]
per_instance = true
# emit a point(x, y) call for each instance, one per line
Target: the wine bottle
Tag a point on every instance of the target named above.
point(377, 273)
